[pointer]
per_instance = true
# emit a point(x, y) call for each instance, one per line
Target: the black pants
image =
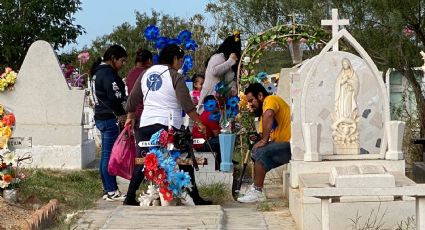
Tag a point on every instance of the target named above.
point(212, 145)
point(145, 134)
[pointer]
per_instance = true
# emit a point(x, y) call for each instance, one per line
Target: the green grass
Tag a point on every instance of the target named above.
point(75, 190)
point(218, 193)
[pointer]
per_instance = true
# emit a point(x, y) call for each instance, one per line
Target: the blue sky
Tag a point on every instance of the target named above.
point(100, 17)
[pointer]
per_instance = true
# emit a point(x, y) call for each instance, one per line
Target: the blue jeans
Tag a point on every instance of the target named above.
point(273, 155)
point(109, 131)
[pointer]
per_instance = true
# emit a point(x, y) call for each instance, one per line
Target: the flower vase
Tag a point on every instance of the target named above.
point(227, 145)
point(10, 195)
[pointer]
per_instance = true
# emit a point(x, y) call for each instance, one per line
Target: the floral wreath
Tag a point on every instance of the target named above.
point(281, 35)
point(184, 40)
point(8, 79)
point(160, 166)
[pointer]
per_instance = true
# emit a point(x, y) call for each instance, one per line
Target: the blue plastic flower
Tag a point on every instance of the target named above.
point(210, 105)
point(215, 116)
point(175, 154)
point(168, 165)
point(184, 35)
point(175, 189)
point(174, 41)
point(261, 76)
point(182, 179)
point(233, 101)
point(231, 112)
point(219, 86)
point(151, 33)
point(155, 137)
point(161, 43)
point(155, 59)
point(187, 63)
point(190, 45)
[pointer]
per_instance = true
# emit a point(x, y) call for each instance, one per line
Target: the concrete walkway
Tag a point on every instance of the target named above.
point(113, 215)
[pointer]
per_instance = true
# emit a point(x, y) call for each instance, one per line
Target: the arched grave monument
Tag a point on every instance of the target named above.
point(49, 112)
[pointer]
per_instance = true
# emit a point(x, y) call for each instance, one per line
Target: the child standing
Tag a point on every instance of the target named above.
point(198, 81)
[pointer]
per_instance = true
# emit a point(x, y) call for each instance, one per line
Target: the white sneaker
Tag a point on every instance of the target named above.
point(116, 196)
point(252, 196)
point(187, 200)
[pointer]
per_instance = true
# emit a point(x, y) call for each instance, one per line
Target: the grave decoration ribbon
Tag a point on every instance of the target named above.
point(161, 168)
point(184, 40)
point(8, 79)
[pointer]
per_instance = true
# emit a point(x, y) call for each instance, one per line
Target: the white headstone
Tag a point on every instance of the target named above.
point(50, 113)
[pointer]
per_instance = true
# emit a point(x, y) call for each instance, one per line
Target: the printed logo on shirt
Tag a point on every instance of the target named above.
point(116, 89)
point(154, 82)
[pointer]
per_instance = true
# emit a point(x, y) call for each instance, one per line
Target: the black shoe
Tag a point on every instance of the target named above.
point(201, 201)
point(131, 202)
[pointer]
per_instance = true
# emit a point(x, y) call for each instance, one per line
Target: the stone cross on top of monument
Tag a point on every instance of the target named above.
point(335, 23)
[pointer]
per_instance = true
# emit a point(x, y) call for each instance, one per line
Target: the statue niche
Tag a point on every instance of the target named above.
point(345, 117)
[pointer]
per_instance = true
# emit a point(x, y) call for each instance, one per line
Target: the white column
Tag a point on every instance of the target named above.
point(395, 131)
point(311, 133)
point(325, 214)
point(420, 213)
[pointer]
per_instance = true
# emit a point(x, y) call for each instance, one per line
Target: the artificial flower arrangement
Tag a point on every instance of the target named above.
point(73, 75)
point(184, 40)
point(7, 123)
point(7, 79)
point(225, 108)
point(160, 167)
point(8, 165)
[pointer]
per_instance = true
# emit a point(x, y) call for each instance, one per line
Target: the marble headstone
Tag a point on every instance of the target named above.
point(49, 112)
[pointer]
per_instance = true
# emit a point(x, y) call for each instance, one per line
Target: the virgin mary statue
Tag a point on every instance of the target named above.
point(346, 91)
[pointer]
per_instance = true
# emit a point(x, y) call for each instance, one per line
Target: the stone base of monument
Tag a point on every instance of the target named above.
point(419, 172)
point(61, 157)
point(207, 174)
point(389, 209)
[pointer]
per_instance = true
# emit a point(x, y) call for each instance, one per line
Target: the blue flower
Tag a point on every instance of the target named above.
point(233, 101)
point(175, 154)
point(151, 33)
point(261, 76)
point(231, 112)
point(155, 137)
point(161, 43)
point(182, 179)
point(175, 189)
point(219, 86)
point(187, 63)
point(215, 116)
point(168, 165)
point(210, 105)
point(184, 35)
point(190, 45)
point(174, 41)
point(155, 59)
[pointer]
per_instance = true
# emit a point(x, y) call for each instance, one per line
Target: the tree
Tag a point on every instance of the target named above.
point(26, 21)
point(131, 37)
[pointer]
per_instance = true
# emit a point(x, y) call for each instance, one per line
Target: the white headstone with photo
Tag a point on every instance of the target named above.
point(49, 112)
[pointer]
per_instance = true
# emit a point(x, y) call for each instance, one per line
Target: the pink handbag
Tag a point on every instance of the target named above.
point(123, 154)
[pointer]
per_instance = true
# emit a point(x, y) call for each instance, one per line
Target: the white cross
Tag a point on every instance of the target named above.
point(335, 23)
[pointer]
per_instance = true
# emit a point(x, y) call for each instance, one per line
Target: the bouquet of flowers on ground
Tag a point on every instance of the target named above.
point(7, 79)
point(7, 123)
point(8, 165)
point(161, 168)
point(225, 108)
